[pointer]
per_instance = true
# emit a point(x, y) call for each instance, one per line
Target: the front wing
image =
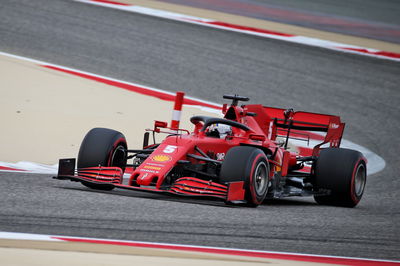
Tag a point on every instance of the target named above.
point(112, 177)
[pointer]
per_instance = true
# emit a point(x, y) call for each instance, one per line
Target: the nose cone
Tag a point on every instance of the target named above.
point(145, 178)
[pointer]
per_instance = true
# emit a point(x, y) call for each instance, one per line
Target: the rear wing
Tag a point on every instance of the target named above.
point(277, 122)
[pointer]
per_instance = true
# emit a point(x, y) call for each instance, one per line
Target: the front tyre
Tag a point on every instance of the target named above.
point(102, 147)
point(344, 173)
point(250, 165)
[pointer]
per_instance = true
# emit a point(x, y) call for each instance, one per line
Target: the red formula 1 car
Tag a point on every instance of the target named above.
point(242, 158)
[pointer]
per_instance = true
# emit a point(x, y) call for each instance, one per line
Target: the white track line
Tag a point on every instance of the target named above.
point(247, 30)
point(335, 260)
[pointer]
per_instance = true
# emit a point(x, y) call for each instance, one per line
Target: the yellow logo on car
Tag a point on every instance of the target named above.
point(152, 167)
point(161, 158)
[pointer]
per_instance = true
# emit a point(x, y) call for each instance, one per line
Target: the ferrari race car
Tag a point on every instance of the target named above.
point(243, 158)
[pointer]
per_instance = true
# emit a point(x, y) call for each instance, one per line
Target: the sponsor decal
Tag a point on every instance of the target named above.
point(334, 126)
point(161, 158)
point(149, 171)
point(155, 164)
point(220, 156)
point(152, 167)
point(271, 124)
point(144, 176)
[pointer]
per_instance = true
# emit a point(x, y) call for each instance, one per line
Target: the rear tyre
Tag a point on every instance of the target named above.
point(344, 173)
point(102, 147)
point(250, 165)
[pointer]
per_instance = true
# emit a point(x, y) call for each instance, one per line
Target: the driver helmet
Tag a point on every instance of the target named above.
point(222, 130)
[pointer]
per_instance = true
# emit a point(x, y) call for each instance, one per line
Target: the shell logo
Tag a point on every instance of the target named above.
point(161, 158)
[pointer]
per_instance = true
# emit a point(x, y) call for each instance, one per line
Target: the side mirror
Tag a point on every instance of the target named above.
point(160, 124)
point(146, 140)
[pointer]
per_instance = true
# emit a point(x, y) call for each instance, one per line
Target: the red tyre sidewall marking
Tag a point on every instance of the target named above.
point(252, 191)
point(353, 177)
point(115, 145)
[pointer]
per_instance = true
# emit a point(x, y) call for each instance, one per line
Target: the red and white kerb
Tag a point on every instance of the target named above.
point(247, 30)
point(176, 113)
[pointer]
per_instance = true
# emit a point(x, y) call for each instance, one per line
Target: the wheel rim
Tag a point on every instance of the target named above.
point(260, 182)
point(359, 180)
point(118, 157)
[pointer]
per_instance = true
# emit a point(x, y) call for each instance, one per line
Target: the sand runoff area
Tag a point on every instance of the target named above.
point(46, 113)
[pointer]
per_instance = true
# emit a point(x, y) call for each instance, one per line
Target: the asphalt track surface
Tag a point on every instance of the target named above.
point(207, 63)
point(364, 18)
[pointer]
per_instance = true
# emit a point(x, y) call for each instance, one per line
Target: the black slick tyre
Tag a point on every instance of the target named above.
point(102, 147)
point(248, 164)
point(343, 172)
